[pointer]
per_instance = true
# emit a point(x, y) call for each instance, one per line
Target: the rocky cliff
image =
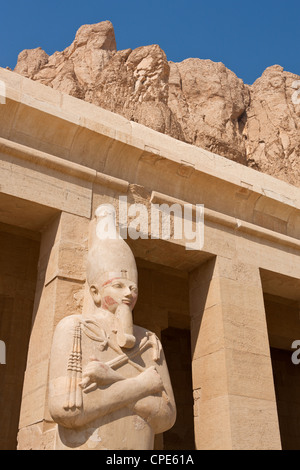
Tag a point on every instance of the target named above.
point(197, 101)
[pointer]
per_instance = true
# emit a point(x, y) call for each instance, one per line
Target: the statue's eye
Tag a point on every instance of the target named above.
point(133, 289)
point(118, 286)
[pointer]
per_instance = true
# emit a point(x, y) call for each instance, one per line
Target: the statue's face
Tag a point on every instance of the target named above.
point(118, 291)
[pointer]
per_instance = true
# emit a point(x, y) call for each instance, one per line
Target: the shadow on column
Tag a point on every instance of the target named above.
point(18, 271)
point(281, 295)
point(177, 348)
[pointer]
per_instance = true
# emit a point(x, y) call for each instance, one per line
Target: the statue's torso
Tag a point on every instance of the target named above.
point(121, 429)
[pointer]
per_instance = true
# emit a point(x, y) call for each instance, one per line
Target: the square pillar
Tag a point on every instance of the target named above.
point(234, 397)
point(59, 293)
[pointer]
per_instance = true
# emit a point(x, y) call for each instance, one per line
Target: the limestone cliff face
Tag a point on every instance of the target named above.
point(198, 101)
point(272, 125)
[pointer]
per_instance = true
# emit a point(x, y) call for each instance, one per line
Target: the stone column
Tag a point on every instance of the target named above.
point(235, 404)
point(59, 292)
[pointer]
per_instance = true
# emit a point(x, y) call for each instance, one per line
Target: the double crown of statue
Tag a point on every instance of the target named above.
point(110, 256)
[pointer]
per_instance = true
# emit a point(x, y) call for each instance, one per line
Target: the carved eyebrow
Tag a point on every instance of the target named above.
point(116, 282)
point(110, 281)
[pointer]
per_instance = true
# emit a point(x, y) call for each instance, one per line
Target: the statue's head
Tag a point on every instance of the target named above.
point(112, 273)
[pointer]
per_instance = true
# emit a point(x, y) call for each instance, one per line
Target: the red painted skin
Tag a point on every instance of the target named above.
point(109, 301)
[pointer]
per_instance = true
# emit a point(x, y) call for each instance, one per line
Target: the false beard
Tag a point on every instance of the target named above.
point(125, 336)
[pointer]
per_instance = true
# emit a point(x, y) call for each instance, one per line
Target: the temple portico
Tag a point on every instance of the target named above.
point(226, 314)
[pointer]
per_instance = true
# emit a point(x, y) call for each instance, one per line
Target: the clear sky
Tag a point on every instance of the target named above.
point(247, 36)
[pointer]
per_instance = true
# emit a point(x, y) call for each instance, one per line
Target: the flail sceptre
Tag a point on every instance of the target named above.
point(74, 377)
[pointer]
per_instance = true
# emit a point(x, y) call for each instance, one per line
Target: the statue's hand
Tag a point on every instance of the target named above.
point(98, 373)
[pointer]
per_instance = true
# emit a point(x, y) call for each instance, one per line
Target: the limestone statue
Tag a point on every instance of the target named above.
point(109, 386)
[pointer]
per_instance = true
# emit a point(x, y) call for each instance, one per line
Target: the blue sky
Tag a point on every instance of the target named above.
point(246, 36)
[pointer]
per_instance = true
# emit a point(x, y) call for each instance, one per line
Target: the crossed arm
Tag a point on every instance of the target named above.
point(104, 390)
